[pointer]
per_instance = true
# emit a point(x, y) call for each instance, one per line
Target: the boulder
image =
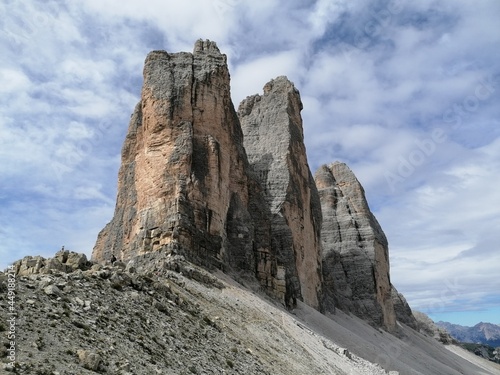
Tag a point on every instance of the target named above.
point(89, 360)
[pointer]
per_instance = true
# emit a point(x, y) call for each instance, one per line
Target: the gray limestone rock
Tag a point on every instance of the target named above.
point(274, 142)
point(52, 290)
point(355, 250)
point(89, 360)
point(63, 261)
point(183, 185)
point(56, 265)
point(29, 265)
point(162, 322)
point(402, 309)
point(76, 261)
point(234, 191)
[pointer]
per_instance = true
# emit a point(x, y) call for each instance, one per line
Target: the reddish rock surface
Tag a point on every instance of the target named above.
point(234, 191)
point(182, 184)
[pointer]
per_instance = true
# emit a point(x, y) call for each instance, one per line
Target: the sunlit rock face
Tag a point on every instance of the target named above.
point(233, 190)
point(183, 184)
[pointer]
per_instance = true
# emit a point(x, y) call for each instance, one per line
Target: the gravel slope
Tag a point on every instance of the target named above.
point(113, 321)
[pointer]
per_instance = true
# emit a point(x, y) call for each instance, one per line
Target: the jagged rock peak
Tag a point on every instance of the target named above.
point(200, 47)
point(338, 174)
point(355, 249)
point(280, 86)
point(183, 181)
point(184, 184)
point(274, 142)
point(206, 46)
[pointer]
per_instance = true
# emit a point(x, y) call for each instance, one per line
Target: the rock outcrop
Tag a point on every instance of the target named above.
point(185, 185)
point(274, 142)
point(355, 250)
point(159, 314)
point(426, 326)
point(402, 309)
point(233, 190)
point(64, 261)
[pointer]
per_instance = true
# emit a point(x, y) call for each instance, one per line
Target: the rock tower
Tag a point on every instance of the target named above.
point(355, 252)
point(274, 142)
point(233, 190)
point(185, 184)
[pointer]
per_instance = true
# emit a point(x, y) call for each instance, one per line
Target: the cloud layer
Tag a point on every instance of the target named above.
point(406, 94)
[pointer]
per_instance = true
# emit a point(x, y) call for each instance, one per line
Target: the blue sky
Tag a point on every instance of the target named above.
point(405, 93)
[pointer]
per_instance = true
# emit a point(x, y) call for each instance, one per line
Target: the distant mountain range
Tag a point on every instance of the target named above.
point(483, 333)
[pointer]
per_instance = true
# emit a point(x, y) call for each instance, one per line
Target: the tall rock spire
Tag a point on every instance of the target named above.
point(183, 182)
point(356, 270)
point(184, 185)
point(274, 142)
point(355, 249)
point(234, 191)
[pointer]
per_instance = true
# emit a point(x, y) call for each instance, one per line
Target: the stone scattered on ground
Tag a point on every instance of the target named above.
point(160, 314)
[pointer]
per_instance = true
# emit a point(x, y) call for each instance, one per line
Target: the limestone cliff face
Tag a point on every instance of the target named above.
point(274, 142)
point(183, 184)
point(402, 310)
point(355, 250)
point(234, 191)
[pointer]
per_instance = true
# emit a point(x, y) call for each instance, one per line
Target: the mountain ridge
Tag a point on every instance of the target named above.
point(232, 190)
point(482, 332)
point(221, 252)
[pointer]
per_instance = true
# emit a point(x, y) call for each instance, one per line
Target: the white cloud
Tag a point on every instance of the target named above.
point(92, 192)
point(181, 23)
point(13, 79)
point(449, 232)
point(78, 71)
point(78, 130)
point(324, 13)
point(249, 78)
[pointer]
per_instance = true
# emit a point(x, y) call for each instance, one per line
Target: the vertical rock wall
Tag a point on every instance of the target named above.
point(355, 250)
point(402, 310)
point(183, 184)
point(234, 191)
point(274, 142)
